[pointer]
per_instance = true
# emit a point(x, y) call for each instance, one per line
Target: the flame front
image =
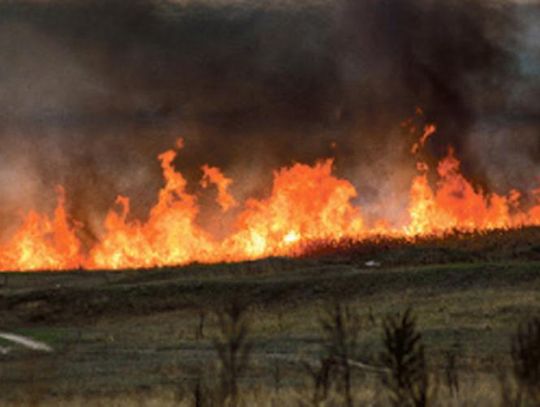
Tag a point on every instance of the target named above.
point(42, 243)
point(306, 203)
point(456, 204)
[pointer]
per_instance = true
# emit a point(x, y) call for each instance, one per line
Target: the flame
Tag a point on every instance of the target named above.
point(170, 236)
point(429, 130)
point(213, 175)
point(42, 243)
point(306, 203)
point(456, 204)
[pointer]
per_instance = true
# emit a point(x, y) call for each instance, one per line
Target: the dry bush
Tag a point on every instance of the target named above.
point(407, 378)
point(340, 327)
point(233, 348)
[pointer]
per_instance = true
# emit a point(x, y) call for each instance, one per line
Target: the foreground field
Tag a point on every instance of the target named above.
point(147, 336)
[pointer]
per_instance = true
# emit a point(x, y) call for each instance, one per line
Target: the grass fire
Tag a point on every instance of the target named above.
point(307, 203)
point(234, 203)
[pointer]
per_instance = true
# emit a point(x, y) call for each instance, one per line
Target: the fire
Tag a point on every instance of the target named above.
point(429, 130)
point(456, 204)
point(43, 243)
point(213, 175)
point(306, 203)
point(170, 236)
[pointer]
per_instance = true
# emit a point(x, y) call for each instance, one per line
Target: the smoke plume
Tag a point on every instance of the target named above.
point(91, 92)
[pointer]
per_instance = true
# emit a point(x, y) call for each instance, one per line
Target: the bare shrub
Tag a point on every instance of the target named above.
point(340, 328)
point(233, 348)
point(403, 356)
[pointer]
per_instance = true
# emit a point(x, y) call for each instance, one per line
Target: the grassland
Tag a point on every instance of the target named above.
point(147, 336)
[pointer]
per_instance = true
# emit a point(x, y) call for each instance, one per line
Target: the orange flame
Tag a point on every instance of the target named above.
point(307, 202)
point(429, 130)
point(42, 243)
point(456, 204)
point(213, 175)
point(170, 236)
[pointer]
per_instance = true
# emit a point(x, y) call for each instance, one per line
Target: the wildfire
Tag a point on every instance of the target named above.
point(307, 202)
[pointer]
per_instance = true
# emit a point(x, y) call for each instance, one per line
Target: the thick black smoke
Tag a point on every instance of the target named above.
point(92, 91)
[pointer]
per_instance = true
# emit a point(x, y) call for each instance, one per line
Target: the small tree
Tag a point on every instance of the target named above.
point(233, 348)
point(403, 356)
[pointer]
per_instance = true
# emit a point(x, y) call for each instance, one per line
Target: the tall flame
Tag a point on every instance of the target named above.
point(170, 236)
point(43, 243)
point(213, 175)
point(306, 202)
point(456, 204)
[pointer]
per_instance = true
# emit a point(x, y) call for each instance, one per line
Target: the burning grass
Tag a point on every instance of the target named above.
point(306, 204)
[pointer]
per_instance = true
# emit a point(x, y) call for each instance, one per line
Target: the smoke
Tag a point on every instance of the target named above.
point(92, 91)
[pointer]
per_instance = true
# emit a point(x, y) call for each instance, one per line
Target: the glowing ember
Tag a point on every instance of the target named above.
point(307, 202)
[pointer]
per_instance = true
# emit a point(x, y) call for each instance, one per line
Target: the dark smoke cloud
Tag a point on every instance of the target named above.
point(92, 91)
point(460, 62)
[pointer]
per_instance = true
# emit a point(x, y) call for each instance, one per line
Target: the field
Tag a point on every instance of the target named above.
point(147, 337)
